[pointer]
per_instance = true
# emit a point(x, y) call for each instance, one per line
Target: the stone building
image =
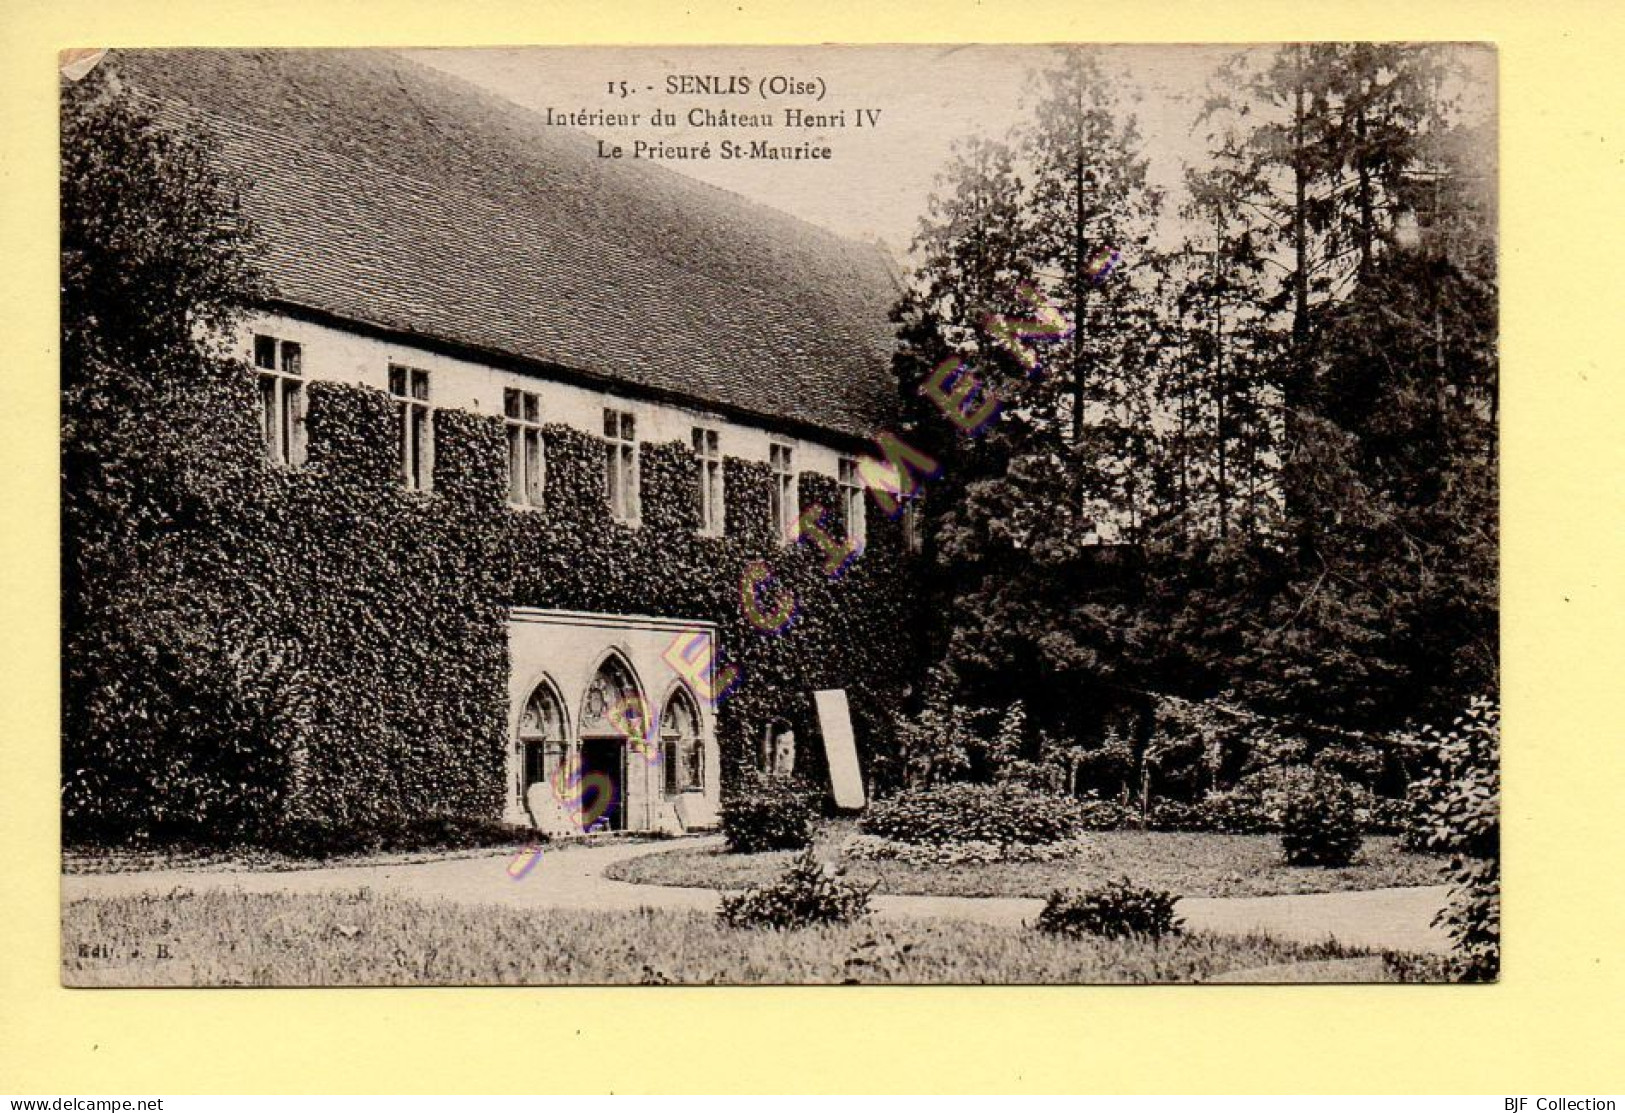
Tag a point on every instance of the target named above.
point(541, 436)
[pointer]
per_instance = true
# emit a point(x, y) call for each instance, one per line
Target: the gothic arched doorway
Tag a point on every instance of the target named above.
point(542, 744)
point(614, 717)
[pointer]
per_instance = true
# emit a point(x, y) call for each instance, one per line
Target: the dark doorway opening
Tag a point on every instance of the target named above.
point(603, 756)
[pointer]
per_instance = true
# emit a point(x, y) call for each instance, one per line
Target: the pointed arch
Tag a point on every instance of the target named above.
point(614, 703)
point(544, 711)
point(541, 739)
point(682, 741)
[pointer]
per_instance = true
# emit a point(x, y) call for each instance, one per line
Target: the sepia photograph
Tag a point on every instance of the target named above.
point(780, 515)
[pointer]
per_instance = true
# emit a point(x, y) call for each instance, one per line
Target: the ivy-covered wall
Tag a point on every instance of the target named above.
point(392, 604)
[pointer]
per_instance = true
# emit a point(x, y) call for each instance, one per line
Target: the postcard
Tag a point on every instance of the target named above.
point(731, 515)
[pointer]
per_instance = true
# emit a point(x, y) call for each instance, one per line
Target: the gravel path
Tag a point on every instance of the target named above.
point(572, 877)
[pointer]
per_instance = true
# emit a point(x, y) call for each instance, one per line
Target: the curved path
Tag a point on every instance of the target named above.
point(573, 877)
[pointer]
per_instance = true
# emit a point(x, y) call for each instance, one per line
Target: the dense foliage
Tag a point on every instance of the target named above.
point(172, 699)
point(318, 839)
point(1459, 814)
point(1281, 489)
point(958, 852)
point(805, 895)
point(248, 646)
point(1115, 910)
point(766, 813)
point(965, 812)
point(1320, 827)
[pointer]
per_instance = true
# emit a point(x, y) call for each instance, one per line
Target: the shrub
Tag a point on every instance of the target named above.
point(1115, 910)
point(1320, 827)
point(1001, 752)
point(1233, 813)
point(1177, 815)
point(1361, 765)
point(1415, 835)
point(1109, 768)
point(1105, 815)
point(1458, 812)
point(960, 812)
point(1271, 789)
point(321, 839)
point(1384, 815)
point(1227, 813)
point(1419, 969)
point(804, 895)
point(766, 813)
point(872, 848)
point(937, 742)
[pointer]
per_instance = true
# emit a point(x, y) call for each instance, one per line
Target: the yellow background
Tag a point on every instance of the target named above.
point(1553, 1025)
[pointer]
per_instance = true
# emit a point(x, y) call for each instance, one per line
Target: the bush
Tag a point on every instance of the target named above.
point(1105, 815)
point(1226, 813)
point(804, 895)
point(1115, 910)
point(1416, 834)
point(1419, 969)
point(1233, 813)
point(1271, 789)
point(1320, 827)
point(953, 813)
point(1384, 815)
point(1109, 768)
point(321, 839)
point(1177, 815)
point(872, 848)
point(1458, 812)
point(1361, 765)
point(766, 813)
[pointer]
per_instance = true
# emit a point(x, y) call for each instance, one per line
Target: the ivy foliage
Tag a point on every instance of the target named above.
point(249, 648)
point(170, 695)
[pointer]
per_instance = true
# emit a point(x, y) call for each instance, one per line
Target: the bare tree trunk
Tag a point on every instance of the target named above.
point(1219, 387)
point(1364, 83)
point(1080, 295)
point(1300, 232)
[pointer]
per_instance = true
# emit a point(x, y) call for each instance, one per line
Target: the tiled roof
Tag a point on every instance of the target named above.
point(397, 196)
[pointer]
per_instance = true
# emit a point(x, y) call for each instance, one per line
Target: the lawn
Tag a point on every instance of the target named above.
point(1189, 865)
point(259, 859)
point(228, 938)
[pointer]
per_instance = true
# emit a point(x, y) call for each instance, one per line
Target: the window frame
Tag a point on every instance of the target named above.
point(541, 751)
point(281, 394)
point(527, 448)
point(621, 461)
point(783, 498)
point(854, 509)
point(683, 757)
point(913, 526)
point(768, 755)
point(713, 495)
point(411, 388)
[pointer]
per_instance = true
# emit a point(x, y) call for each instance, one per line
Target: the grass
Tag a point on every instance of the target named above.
point(1186, 864)
point(230, 938)
point(90, 860)
point(206, 859)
